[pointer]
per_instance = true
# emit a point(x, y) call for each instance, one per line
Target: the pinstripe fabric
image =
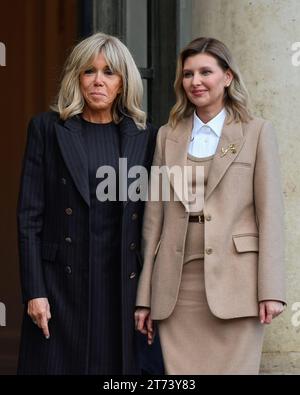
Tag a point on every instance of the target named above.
point(102, 145)
point(55, 246)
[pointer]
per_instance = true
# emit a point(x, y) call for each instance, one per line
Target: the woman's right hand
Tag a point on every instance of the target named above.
point(144, 323)
point(39, 311)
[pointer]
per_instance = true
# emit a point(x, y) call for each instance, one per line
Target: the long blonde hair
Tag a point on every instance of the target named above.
point(235, 96)
point(70, 101)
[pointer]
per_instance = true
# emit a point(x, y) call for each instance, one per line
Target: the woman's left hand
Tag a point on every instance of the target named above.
point(269, 309)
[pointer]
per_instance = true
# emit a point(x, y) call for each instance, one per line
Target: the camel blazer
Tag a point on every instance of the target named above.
point(243, 211)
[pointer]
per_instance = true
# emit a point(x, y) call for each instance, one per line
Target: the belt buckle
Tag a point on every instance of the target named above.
point(201, 218)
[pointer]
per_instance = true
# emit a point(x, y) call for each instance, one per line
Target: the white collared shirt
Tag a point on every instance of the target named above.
point(206, 136)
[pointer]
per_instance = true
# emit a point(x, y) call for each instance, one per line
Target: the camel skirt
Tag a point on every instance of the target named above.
point(193, 340)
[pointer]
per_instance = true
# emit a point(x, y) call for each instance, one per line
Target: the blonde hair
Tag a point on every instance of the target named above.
point(70, 101)
point(235, 96)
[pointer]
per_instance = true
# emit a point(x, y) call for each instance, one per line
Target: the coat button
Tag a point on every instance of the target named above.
point(209, 251)
point(132, 275)
point(68, 211)
point(68, 240)
point(68, 269)
point(134, 216)
point(63, 181)
point(208, 217)
point(132, 246)
point(138, 190)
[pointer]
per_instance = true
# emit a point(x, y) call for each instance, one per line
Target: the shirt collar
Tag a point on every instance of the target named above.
point(215, 124)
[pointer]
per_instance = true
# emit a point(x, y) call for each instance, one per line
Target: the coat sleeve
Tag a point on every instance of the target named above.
point(270, 217)
point(30, 215)
point(152, 226)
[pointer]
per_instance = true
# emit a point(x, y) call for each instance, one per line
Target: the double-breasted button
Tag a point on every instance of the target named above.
point(63, 181)
point(132, 246)
point(208, 217)
point(68, 240)
point(132, 275)
point(68, 211)
point(134, 216)
point(68, 269)
point(138, 190)
point(209, 251)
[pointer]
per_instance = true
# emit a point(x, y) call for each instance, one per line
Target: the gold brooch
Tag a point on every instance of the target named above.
point(231, 148)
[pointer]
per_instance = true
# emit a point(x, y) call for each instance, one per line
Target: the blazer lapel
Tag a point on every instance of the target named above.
point(232, 134)
point(71, 144)
point(133, 148)
point(177, 144)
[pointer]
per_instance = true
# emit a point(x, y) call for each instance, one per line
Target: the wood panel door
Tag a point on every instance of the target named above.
point(37, 35)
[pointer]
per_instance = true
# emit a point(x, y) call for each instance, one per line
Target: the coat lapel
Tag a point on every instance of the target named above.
point(133, 148)
point(231, 134)
point(71, 144)
point(177, 144)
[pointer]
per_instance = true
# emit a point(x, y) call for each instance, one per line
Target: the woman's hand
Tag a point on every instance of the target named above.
point(144, 324)
point(39, 311)
point(269, 309)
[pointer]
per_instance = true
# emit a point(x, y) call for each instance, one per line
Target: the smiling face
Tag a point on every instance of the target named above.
point(204, 83)
point(99, 87)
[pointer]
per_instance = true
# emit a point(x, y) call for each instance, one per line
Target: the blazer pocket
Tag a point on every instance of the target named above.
point(246, 243)
point(241, 164)
point(49, 251)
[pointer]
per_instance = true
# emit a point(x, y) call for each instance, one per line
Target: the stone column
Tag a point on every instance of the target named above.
point(262, 36)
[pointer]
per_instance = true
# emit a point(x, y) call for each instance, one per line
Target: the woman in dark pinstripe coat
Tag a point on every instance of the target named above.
point(79, 254)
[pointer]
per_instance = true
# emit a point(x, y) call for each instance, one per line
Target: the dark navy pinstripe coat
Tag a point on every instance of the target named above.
point(53, 204)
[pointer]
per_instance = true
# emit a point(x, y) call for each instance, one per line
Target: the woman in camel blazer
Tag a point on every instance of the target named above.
point(213, 276)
